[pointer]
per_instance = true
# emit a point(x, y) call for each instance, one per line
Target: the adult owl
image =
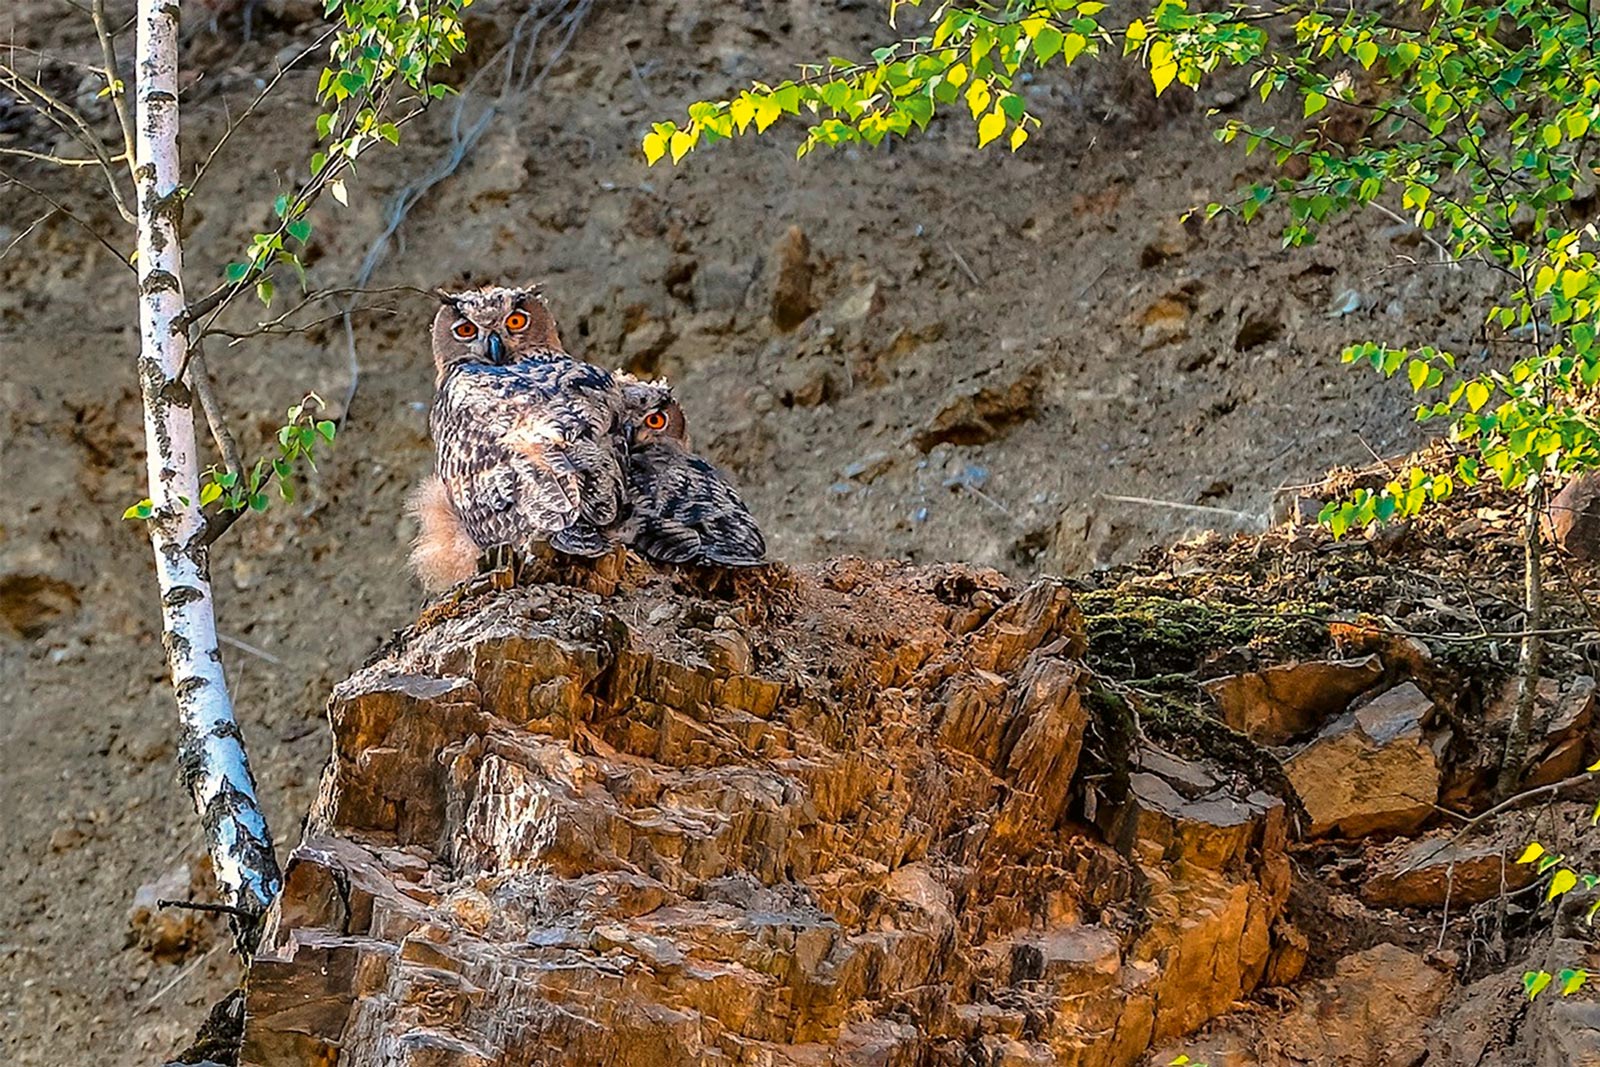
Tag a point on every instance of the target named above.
point(495, 325)
point(683, 509)
point(524, 439)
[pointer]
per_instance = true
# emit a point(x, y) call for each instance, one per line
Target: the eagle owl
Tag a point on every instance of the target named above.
point(683, 509)
point(524, 437)
point(493, 325)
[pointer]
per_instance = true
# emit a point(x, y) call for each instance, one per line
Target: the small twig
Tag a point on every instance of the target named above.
point(216, 909)
point(987, 499)
point(245, 646)
point(1445, 257)
point(638, 78)
point(59, 161)
point(1552, 790)
point(34, 225)
point(1092, 282)
point(1243, 516)
point(262, 95)
point(284, 331)
point(961, 261)
point(181, 975)
point(59, 206)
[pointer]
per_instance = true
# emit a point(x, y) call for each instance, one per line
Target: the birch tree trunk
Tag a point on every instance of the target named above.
point(211, 757)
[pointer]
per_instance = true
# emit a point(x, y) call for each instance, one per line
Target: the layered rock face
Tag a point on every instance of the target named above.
point(833, 816)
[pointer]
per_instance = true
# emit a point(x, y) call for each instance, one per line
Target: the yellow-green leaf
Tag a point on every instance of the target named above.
point(1072, 46)
point(1019, 136)
point(1535, 982)
point(1595, 766)
point(680, 144)
point(1163, 68)
point(1563, 882)
point(742, 111)
point(991, 126)
point(1417, 373)
point(1572, 282)
point(978, 96)
point(1136, 31)
point(956, 75)
point(767, 111)
point(1315, 102)
point(655, 146)
point(1477, 395)
point(1366, 52)
point(1531, 853)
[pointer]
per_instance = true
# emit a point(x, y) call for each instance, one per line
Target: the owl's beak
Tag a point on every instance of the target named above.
point(497, 349)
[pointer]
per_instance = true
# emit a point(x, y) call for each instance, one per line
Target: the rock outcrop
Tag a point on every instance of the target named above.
point(840, 816)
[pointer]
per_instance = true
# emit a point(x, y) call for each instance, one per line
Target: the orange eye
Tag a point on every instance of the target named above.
point(656, 420)
point(517, 321)
point(465, 331)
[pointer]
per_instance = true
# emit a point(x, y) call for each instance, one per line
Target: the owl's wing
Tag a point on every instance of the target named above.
point(526, 454)
point(686, 511)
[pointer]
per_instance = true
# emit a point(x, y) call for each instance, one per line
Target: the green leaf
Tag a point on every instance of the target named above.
point(1046, 43)
point(142, 510)
point(299, 229)
point(1535, 982)
point(1314, 103)
point(1366, 54)
point(327, 429)
point(1572, 980)
point(237, 271)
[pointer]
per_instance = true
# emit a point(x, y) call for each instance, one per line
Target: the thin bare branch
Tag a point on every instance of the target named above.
point(122, 257)
point(59, 161)
point(200, 382)
point(286, 330)
point(261, 96)
point(70, 122)
point(119, 94)
point(34, 225)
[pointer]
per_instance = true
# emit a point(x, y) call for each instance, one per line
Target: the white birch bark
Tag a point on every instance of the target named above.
point(211, 757)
